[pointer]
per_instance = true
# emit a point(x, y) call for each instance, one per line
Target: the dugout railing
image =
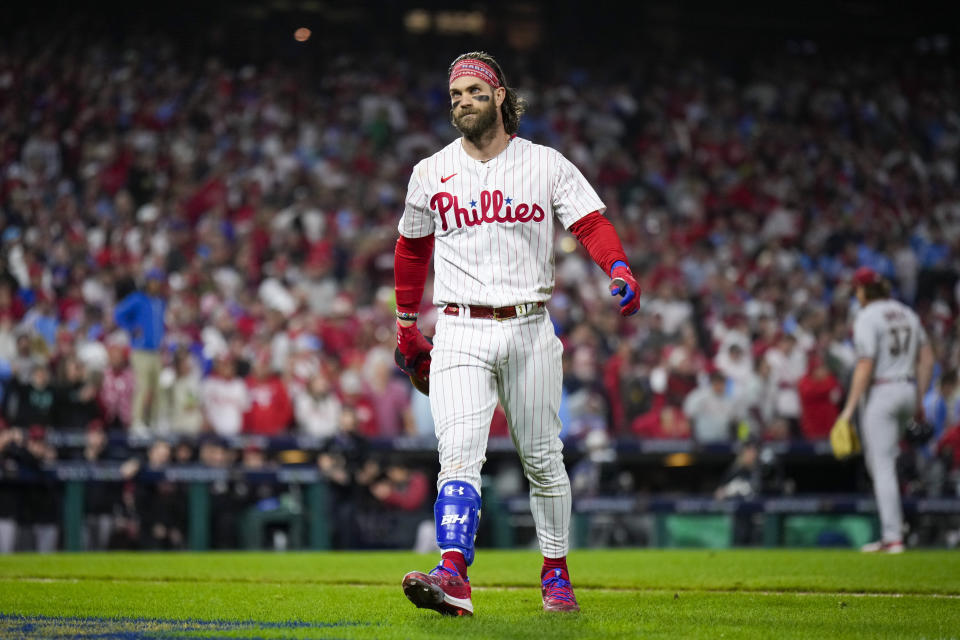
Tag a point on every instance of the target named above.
point(310, 524)
point(679, 519)
point(700, 521)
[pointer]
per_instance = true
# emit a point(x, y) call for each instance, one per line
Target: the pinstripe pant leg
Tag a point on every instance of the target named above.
point(530, 387)
point(462, 396)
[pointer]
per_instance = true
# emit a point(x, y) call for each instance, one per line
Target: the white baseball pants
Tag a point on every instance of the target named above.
point(474, 363)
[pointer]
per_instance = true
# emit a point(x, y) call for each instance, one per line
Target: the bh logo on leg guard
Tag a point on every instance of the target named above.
point(457, 514)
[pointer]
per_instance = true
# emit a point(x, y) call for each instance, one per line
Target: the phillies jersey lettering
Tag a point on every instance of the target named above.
point(491, 205)
point(493, 221)
point(891, 333)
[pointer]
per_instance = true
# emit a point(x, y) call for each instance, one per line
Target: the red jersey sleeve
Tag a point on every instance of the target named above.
point(411, 262)
point(600, 239)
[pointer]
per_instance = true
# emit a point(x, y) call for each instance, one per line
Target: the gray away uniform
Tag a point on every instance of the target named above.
point(890, 333)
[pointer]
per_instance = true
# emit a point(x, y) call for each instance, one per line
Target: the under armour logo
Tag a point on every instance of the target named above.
point(453, 518)
point(454, 490)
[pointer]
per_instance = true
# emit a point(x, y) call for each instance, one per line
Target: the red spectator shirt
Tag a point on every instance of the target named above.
point(818, 405)
point(950, 441)
point(662, 422)
point(412, 495)
point(270, 411)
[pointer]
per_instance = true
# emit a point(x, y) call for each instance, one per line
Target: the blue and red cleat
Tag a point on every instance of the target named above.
point(442, 590)
point(557, 591)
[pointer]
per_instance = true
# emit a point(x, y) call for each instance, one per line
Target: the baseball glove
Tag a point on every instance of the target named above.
point(844, 439)
point(918, 431)
point(418, 369)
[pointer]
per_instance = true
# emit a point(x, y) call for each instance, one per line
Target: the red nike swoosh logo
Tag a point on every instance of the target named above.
point(447, 178)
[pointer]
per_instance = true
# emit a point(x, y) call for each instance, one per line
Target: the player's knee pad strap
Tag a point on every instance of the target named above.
point(457, 514)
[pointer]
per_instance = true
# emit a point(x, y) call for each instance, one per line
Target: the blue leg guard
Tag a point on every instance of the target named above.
point(457, 514)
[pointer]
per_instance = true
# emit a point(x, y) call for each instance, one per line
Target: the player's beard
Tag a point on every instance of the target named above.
point(475, 128)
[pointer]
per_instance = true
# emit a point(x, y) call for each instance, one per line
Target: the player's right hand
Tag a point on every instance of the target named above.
point(920, 414)
point(624, 284)
point(412, 343)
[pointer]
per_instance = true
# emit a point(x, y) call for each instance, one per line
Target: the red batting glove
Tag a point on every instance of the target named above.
point(625, 285)
point(411, 342)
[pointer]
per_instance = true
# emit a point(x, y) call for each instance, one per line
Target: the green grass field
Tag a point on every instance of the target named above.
point(647, 594)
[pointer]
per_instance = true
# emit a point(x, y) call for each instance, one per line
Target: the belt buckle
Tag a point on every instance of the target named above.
point(496, 314)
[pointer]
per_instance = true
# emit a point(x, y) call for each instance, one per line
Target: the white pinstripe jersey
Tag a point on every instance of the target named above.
point(890, 333)
point(493, 221)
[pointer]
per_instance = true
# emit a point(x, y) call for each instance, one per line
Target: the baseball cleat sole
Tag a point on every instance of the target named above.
point(429, 596)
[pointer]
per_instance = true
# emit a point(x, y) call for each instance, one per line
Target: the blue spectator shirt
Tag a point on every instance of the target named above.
point(142, 316)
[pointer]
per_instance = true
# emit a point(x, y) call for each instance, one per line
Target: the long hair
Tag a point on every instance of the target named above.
point(876, 290)
point(513, 105)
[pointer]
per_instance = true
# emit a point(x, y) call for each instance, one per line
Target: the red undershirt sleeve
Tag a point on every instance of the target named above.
point(411, 262)
point(600, 239)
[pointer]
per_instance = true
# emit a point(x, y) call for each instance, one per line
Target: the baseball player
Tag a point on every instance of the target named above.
point(489, 201)
point(894, 365)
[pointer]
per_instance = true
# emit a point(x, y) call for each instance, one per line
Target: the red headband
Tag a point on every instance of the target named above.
point(477, 69)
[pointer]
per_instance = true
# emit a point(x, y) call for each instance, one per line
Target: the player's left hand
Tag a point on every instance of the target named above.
point(624, 284)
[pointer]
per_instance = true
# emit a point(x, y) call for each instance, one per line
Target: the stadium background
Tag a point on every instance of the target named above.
point(751, 160)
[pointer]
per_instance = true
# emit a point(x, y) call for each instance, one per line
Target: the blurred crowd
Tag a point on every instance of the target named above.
point(194, 248)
